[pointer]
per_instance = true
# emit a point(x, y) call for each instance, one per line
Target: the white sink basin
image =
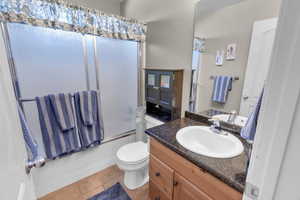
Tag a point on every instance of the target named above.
point(239, 120)
point(201, 140)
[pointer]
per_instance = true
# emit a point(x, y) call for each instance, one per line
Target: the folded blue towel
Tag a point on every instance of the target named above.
point(87, 106)
point(57, 142)
point(31, 144)
point(63, 110)
point(249, 130)
point(89, 118)
point(222, 86)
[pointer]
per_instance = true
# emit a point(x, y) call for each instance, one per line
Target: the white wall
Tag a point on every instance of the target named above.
point(12, 148)
point(288, 182)
point(107, 6)
point(232, 24)
point(170, 34)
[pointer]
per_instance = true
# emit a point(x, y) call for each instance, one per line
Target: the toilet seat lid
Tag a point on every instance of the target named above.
point(133, 152)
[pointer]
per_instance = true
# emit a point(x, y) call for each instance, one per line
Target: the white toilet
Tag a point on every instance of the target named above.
point(133, 159)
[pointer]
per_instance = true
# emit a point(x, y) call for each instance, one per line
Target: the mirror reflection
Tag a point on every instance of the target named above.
point(225, 83)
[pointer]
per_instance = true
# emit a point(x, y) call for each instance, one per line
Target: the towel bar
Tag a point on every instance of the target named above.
point(41, 162)
point(30, 99)
point(236, 78)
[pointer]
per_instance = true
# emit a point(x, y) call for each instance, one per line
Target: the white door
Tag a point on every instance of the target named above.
point(14, 183)
point(262, 41)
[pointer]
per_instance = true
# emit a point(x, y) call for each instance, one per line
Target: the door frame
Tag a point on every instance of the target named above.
point(278, 107)
point(259, 27)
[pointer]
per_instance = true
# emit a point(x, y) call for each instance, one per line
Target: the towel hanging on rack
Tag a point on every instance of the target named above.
point(89, 118)
point(222, 86)
point(87, 107)
point(249, 130)
point(63, 110)
point(30, 143)
point(57, 141)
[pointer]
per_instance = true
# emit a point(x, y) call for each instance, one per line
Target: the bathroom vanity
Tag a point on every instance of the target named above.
point(179, 174)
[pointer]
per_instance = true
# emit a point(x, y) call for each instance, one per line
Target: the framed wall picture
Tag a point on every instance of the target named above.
point(231, 52)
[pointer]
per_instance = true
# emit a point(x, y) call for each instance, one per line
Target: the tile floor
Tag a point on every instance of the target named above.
point(94, 184)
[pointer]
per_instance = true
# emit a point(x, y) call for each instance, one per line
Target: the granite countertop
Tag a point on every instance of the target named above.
point(232, 171)
point(211, 112)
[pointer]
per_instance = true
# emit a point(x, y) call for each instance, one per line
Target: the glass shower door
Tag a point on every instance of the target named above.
point(53, 61)
point(47, 61)
point(118, 81)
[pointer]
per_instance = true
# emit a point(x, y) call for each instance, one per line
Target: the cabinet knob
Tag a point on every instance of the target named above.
point(157, 174)
point(175, 183)
point(157, 198)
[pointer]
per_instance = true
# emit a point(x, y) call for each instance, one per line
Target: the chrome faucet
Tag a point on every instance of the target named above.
point(232, 117)
point(216, 127)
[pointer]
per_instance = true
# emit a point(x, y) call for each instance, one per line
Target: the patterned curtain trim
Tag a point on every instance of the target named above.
point(59, 14)
point(199, 44)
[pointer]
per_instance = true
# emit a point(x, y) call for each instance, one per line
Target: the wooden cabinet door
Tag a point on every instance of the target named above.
point(184, 190)
point(155, 193)
point(152, 86)
point(161, 175)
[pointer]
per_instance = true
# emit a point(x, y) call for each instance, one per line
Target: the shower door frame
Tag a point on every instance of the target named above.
point(140, 64)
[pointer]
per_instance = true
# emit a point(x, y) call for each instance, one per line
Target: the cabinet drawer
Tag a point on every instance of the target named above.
point(155, 193)
point(162, 176)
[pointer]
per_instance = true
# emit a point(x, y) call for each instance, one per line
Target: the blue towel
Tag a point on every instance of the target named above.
point(57, 142)
point(31, 144)
point(249, 130)
point(63, 110)
point(222, 86)
point(89, 118)
point(87, 106)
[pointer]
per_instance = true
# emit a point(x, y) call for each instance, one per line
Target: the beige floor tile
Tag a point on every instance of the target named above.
point(92, 185)
point(113, 181)
point(141, 193)
point(109, 174)
point(70, 192)
point(89, 184)
point(93, 192)
point(137, 194)
point(47, 197)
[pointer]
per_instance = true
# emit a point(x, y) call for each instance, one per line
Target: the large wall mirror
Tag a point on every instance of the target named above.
point(231, 56)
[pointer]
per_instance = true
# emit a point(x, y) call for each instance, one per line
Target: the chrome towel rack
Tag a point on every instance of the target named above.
point(236, 78)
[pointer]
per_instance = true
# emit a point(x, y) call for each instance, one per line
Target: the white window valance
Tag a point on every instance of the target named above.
point(59, 14)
